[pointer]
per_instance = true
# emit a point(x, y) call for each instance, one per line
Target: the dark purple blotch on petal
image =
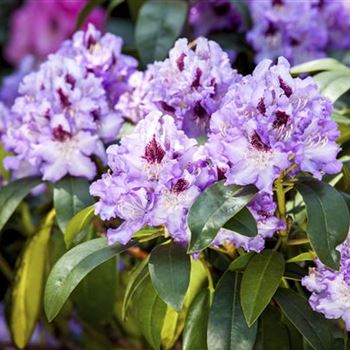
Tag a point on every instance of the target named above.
point(70, 80)
point(261, 106)
point(60, 134)
point(181, 62)
point(166, 107)
point(197, 78)
point(285, 87)
point(258, 144)
point(281, 119)
point(63, 98)
point(180, 186)
point(154, 152)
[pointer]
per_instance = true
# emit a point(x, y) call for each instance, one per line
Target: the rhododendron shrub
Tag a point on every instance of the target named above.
point(154, 195)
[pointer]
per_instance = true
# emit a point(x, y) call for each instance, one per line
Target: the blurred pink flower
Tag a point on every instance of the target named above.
point(40, 26)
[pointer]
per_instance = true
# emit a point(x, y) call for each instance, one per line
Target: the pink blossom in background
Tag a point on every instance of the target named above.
point(40, 26)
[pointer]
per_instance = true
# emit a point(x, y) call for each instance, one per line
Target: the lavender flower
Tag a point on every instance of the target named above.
point(270, 121)
point(64, 114)
point(59, 122)
point(287, 28)
point(189, 85)
point(330, 289)
point(101, 54)
point(263, 209)
point(157, 172)
point(206, 17)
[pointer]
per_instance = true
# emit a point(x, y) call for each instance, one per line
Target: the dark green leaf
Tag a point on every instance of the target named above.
point(70, 196)
point(195, 330)
point(227, 328)
point(77, 224)
point(212, 209)
point(241, 262)
point(170, 268)
point(85, 12)
point(243, 222)
point(149, 311)
point(28, 285)
point(113, 4)
point(260, 282)
point(95, 294)
point(135, 281)
point(308, 322)
point(328, 219)
point(71, 268)
point(272, 333)
point(124, 28)
point(134, 8)
point(158, 25)
point(12, 195)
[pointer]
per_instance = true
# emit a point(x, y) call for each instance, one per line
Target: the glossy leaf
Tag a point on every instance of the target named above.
point(12, 195)
point(272, 333)
point(28, 285)
point(195, 330)
point(244, 223)
point(212, 209)
point(158, 25)
point(72, 267)
point(319, 65)
point(339, 86)
point(328, 219)
point(77, 224)
point(135, 281)
point(170, 268)
point(241, 262)
point(227, 328)
point(95, 294)
point(70, 196)
point(174, 321)
point(260, 282)
point(309, 323)
point(150, 312)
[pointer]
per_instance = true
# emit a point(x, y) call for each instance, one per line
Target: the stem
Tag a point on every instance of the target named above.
point(298, 241)
point(5, 268)
point(281, 205)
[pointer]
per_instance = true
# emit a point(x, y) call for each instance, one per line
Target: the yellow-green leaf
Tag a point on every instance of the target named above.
point(28, 285)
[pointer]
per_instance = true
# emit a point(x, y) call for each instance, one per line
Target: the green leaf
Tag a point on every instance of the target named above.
point(95, 294)
point(260, 282)
point(212, 209)
point(337, 87)
point(70, 196)
point(195, 330)
point(170, 268)
point(85, 12)
point(72, 267)
point(323, 79)
point(272, 333)
point(134, 8)
point(12, 195)
point(149, 311)
point(227, 328)
point(319, 65)
point(243, 222)
point(136, 279)
point(241, 262)
point(77, 224)
point(308, 322)
point(112, 5)
point(328, 219)
point(174, 321)
point(307, 256)
point(28, 285)
point(158, 25)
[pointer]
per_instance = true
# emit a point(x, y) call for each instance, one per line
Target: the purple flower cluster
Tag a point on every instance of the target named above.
point(299, 31)
point(189, 85)
point(210, 16)
point(63, 116)
point(330, 290)
point(156, 174)
point(270, 122)
point(263, 209)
